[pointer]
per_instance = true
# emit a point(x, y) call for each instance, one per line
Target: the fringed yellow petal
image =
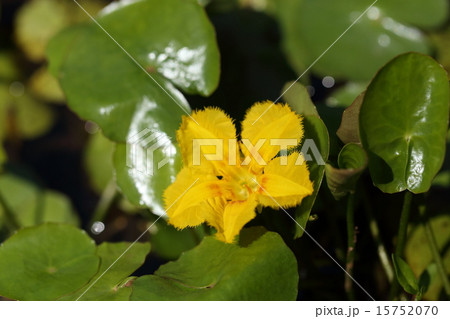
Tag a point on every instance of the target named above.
point(285, 182)
point(184, 198)
point(266, 126)
point(235, 216)
point(214, 216)
point(204, 133)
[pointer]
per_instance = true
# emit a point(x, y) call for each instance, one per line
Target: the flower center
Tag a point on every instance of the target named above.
point(243, 183)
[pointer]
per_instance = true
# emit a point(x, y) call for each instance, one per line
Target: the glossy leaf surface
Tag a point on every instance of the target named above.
point(404, 122)
point(174, 45)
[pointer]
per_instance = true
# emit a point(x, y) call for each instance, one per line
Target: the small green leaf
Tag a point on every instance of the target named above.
point(32, 205)
point(348, 131)
point(405, 275)
point(426, 278)
point(264, 270)
point(418, 254)
point(98, 161)
point(297, 96)
point(46, 262)
point(8, 67)
point(38, 21)
point(352, 161)
point(45, 86)
point(404, 121)
point(28, 116)
point(169, 243)
point(317, 134)
point(346, 95)
point(112, 283)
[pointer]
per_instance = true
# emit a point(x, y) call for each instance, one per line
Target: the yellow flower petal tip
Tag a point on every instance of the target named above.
point(224, 180)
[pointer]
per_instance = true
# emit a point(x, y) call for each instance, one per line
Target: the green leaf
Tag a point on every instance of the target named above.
point(346, 95)
point(46, 262)
point(297, 96)
point(427, 277)
point(264, 270)
point(32, 205)
point(29, 117)
point(404, 121)
point(352, 161)
point(315, 131)
point(45, 86)
point(38, 21)
point(8, 68)
point(418, 254)
point(169, 243)
point(310, 26)
point(348, 131)
point(315, 138)
point(405, 275)
point(173, 40)
point(112, 283)
point(98, 161)
point(419, 12)
point(141, 186)
point(3, 156)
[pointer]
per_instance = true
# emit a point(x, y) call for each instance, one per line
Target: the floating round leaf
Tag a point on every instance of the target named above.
point(264, 270)
point(46, 262)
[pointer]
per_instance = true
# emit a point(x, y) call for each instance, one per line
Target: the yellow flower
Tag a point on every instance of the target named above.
point(222, 186)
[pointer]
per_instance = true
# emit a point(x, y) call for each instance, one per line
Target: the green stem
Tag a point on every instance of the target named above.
point(10, 218)
point(401, 237)
point(375, 232)
point(403, 227)
point(435, 250)
point(351, 242)
point(106, 199)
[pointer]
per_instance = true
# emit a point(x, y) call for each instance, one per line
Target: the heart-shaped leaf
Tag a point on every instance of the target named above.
point(111, 282)
point(46, 262)
point(264, 270)
point(352, 161)
point(404, 121)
